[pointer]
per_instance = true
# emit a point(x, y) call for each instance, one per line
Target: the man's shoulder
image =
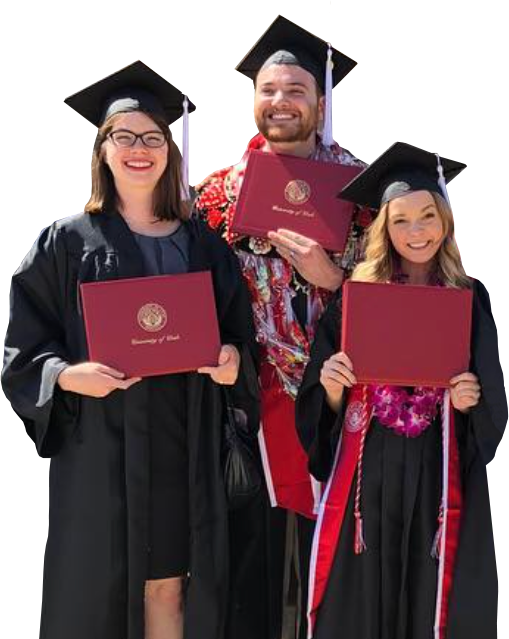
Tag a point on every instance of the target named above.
point(348, 158)
point(212, 181)
point(214, 197)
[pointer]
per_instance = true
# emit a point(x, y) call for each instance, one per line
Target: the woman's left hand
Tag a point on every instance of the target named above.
point(465, 391)
point(227, 370)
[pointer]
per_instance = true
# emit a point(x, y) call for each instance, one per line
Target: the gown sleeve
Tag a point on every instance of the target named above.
point(316, 422)
point(236, 327)
point(473, 605)
point(34, 352)
point(485, 422)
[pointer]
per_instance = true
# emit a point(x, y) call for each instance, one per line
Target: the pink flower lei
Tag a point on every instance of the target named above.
point(406, 413)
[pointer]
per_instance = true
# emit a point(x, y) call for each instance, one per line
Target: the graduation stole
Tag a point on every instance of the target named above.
point(286, 345)
point(348, 461)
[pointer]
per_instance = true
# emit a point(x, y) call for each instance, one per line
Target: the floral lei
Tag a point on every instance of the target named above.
point(406, 413)
point(272, 281)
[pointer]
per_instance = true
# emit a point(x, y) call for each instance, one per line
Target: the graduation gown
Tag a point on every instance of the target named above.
point(390, 590)
point(286, 313)
point(97, 556)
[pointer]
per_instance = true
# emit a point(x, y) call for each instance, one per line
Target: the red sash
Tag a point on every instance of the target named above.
point(284, 459)
point(332, 509)
point(333, 506)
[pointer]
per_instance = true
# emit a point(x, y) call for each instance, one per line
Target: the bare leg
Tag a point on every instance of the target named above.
point(164, 618)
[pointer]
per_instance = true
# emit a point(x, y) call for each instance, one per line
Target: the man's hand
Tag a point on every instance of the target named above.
point(227, 370)
point(308, 258)
point(93, 379)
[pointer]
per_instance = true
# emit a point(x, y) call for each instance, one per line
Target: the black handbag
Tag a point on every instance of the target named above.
point(242, 478)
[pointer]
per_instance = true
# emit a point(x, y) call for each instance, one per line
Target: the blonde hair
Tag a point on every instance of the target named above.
point(381, 260)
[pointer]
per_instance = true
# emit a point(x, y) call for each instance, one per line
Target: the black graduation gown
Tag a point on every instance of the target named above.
point(96, 555)
point(389, 591)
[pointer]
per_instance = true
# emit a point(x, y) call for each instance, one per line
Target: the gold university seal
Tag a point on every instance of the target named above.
point(297, 192)
point(152, 317)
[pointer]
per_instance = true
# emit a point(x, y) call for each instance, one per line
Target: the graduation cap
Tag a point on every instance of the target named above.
point(135, 88)
point(400, 170)
point(285, 42)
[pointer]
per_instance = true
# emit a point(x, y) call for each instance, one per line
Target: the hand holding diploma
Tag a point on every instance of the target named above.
point(308, 258)
point(336, 373)
point(94, 379)
point(465, 392)
point(227, 370)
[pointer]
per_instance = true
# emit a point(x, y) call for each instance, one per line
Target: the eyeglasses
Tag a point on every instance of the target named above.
point(126, 138)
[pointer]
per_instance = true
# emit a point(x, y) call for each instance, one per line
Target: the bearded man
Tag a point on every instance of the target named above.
point(291, 278)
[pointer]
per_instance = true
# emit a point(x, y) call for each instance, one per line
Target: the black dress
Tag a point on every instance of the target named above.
point(97, 554)
point(390, 590)
point(169, 486)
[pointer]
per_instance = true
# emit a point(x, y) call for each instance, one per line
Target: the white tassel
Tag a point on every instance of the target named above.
point(327, 137)
point(437, 543)
point(185, 150)
point(441, 180)
point(359, 542)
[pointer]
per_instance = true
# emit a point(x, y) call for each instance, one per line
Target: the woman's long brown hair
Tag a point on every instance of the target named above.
point(168, 203)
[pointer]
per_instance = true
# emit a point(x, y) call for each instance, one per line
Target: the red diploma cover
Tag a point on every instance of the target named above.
point(406, 335)
point(283, 191)
point(148, 326)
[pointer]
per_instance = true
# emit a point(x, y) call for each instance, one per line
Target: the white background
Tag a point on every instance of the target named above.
point(433, 74)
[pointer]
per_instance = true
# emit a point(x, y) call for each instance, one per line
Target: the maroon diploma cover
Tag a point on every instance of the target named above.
point(283, 191)
point(152, 325)
point(406, 335)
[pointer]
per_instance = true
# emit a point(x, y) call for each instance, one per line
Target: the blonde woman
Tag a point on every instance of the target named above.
point(381, 570)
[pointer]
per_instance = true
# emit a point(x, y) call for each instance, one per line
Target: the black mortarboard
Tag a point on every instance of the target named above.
point(401, 169)
point(135, 88)
point(285, 42)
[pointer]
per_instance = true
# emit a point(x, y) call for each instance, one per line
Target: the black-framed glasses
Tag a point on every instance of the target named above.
point(126, 138)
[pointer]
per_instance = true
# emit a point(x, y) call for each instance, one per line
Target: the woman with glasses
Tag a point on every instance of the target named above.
point(137, 543)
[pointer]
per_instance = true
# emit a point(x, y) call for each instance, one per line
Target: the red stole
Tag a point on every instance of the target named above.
point(335, 499)
point(289, 483)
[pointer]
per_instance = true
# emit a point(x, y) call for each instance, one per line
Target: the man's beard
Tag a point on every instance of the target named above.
point(300, 132)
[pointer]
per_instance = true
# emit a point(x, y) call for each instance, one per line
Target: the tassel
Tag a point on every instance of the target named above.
point(441, 180)
point(437, 542)
point(360, 544)
point(185, 150)
point(327, 137)
point(435, 549)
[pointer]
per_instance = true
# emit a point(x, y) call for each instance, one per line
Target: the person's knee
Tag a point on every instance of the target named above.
point(167, 593)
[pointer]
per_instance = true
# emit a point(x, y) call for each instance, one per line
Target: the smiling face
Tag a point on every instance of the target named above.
point(287, 107)
point(137, 166)
point(415, 228)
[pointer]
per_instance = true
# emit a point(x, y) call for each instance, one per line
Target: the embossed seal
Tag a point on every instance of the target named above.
point(297, 192)
point(152, 317)
point(353, 417)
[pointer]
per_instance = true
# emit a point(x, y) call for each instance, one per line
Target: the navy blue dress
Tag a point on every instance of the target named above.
point(169, 486)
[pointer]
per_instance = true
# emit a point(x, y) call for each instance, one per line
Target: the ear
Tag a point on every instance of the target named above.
point(321, 107)
point(102, 155)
